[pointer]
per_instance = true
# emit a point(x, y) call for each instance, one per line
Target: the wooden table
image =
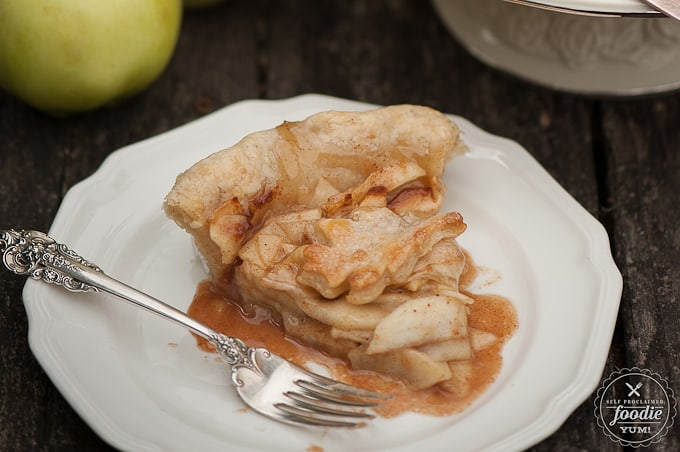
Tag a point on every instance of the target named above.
point(619, 158)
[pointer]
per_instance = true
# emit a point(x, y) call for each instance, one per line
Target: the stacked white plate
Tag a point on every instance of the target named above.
point(623, 7)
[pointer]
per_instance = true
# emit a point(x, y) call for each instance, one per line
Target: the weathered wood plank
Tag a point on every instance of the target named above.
point(643, 186)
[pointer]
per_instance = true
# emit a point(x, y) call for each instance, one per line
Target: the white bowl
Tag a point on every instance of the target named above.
point(610, 56)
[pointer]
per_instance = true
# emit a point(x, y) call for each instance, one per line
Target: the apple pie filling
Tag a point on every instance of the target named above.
point(333, 224)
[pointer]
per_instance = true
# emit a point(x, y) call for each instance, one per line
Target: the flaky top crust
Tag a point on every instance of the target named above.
point(222, 198)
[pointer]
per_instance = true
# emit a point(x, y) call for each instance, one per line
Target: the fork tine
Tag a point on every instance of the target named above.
point(325, 407)
point(301, 416)
point(333, 394)
point(338, 387)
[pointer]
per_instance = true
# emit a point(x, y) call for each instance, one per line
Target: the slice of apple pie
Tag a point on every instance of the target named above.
point(333, 223)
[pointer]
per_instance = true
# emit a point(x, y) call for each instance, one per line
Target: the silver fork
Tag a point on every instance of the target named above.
point(267, 383)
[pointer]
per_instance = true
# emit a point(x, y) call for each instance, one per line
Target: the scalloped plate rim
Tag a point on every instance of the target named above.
point(44, 328)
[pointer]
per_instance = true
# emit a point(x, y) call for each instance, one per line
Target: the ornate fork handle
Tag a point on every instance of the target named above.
point(37, 255)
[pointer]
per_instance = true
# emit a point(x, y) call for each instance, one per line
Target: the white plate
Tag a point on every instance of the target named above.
point(142, 384)
point(600, 6)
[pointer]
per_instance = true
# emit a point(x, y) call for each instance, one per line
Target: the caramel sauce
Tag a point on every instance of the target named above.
point(219, 308)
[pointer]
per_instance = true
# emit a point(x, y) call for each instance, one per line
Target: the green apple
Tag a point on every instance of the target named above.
point(69, 56)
